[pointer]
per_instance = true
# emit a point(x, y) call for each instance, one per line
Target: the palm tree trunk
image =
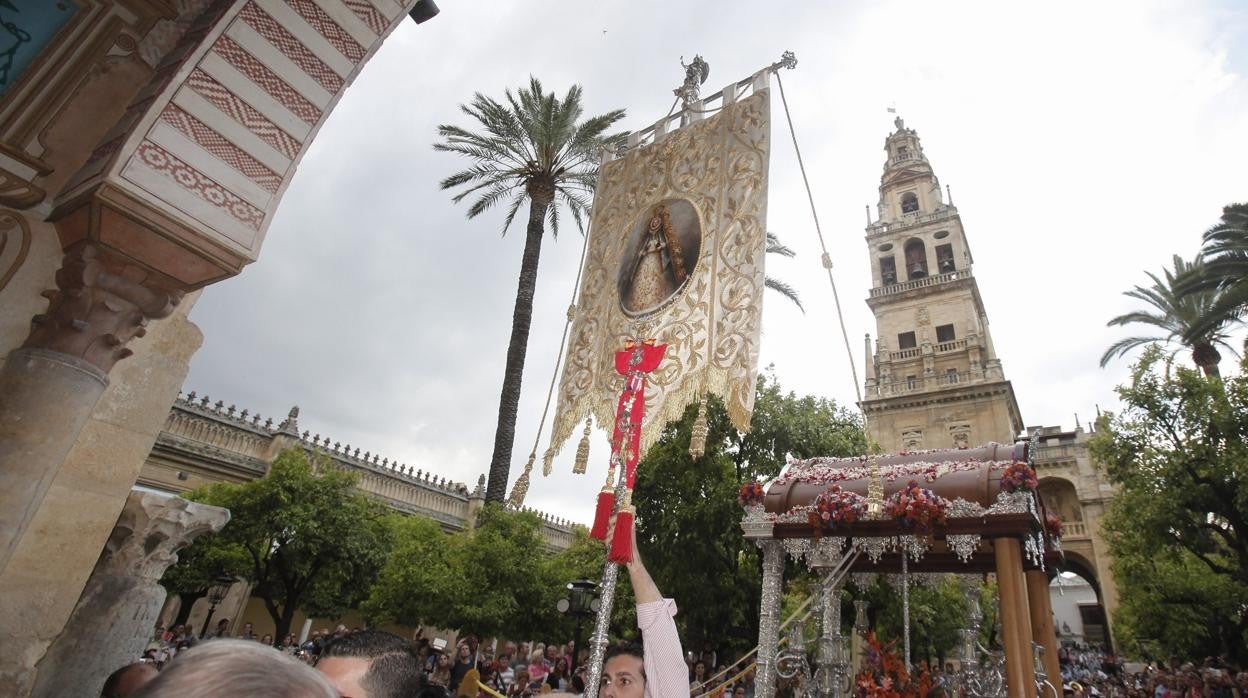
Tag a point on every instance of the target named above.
point(1206, 356)
point(513, 373)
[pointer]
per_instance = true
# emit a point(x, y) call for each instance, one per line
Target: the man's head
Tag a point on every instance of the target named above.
point(237, 668)
point(128, 679)
point(738, 691)
point(372, 664)
point(551, 652)
point(623, 672)
point(246, 628)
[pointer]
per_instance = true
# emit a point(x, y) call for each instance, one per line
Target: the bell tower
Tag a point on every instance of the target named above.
point(933, 379)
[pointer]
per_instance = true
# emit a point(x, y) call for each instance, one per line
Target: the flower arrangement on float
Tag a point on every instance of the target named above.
point(1019, 476)
point(751, 494)
point(1053, 525)
point(884, 674)
point(916, 507)
point(837, 507)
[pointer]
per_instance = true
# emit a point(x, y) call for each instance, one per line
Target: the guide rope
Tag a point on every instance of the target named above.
point(827, 259)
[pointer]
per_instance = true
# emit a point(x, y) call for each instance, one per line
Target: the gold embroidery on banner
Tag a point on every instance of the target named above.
point(712, 320)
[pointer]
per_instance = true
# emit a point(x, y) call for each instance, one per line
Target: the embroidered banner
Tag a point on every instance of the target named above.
point(676, 254)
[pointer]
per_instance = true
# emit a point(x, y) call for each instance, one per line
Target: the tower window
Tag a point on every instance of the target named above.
point(903, 153)
point(944, 333)
point(944, 258)
point(888, 270)
point(906, 340)
point(912, 382)
point(909, 203)
point(951, 375)
point(916, 259)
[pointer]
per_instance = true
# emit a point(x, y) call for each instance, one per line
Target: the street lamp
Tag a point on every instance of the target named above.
point(216, 594)
point(582, 602)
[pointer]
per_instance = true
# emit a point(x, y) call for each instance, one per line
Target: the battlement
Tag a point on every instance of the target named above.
point(206, 441)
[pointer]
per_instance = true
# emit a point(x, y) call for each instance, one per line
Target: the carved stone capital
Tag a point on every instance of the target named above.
point(151, 530)
point(101, 302)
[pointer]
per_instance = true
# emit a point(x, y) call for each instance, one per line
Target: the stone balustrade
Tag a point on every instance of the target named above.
point(216, 442)
point(925, 282)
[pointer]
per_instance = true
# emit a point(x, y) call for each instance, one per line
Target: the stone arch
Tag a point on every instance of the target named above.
point(1062, 498)
point(916, 258)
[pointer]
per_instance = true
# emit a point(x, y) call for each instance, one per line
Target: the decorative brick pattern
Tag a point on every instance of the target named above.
point(292, 48)
point(222, 148)
point(269, 81)
point(368, 15)
point(220, 97)
point(196, 182)
point(328, 28)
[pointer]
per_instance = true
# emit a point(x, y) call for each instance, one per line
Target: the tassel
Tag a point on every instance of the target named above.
point(697, 441)
point(602, 515)
point(548, 459)
point(622, 541)
point(582, 451)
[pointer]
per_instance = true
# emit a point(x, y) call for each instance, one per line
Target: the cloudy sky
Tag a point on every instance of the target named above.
point(1085, 142)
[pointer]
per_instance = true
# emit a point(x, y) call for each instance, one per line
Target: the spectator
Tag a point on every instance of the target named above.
point(128, 680)
point(557, 679)
point(267, 640)
point(522, 687)
point(223, 628)
point(698, 676)
point(441, 674)
point(372, 664)
point(463, 664)
point(247, 633)
point(237, 668)
point(658, 671)
point(537, 666)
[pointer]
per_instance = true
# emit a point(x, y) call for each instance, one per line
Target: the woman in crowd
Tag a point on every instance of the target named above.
point(441, 671)
point(520, 687)
point(267, 640)
point(557, 679)
point(698, 676)
point(537, 666)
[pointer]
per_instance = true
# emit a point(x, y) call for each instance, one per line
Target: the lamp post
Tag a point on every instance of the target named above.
point(216, 594)
point(581, 602)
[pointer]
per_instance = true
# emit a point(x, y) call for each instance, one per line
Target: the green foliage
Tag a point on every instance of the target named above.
point(1178, 455)
point(302, 535)
point(936, 613)
point(1179, 314)
point(1225, 271)
point(688, 516)
point(496, 579)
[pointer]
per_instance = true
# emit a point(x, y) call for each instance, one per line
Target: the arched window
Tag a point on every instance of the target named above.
point(909, 203)
point(916, 259)
point(903, 153)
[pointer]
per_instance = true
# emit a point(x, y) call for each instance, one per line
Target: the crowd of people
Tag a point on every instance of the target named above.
point(372, 663)
point(1091, 671)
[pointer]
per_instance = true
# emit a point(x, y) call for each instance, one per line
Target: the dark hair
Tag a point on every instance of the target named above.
point(113, 682)
point(632, 649)
point(393, 670)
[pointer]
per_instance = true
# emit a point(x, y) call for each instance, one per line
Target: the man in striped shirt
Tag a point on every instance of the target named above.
point(659, 671)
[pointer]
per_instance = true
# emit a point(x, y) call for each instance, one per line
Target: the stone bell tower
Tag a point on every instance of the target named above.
point(933, 376)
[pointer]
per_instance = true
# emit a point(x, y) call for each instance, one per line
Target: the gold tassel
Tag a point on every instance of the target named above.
point(548, 460)
point(697, 441)
point(582, 450)
point(521, 489)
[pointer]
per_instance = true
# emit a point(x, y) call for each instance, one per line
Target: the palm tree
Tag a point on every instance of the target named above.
point(774, 246)
point(1224, 270)
point(1177, 314)
point(531, 147)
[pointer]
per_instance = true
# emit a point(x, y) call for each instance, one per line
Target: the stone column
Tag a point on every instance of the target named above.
point(1042, 632)
point(769, 621)
point(50, 386)
point(114, 617)
point(1015, 622)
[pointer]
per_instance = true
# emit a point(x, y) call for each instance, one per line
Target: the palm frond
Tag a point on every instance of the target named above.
point(1122, 346)
point(774, 246)
point(785, 290)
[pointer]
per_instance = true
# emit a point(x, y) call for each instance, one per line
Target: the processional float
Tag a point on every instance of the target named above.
point(912, 518)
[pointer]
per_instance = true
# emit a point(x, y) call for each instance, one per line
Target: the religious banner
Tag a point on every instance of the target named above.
point(675, 255)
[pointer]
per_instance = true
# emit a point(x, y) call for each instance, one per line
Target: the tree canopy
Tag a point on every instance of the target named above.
point(302, 535)
point(1178, 525)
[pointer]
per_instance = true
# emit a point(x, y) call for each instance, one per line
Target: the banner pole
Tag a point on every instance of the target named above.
point(606, 601)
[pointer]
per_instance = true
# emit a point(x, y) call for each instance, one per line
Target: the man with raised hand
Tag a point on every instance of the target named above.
point(656, 668)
